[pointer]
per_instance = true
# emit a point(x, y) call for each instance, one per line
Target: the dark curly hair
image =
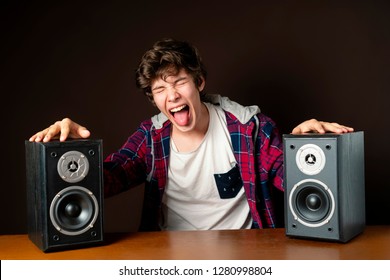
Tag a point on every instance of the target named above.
point(168, 57)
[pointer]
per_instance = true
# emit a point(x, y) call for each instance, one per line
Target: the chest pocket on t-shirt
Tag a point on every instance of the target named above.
point(229, 184)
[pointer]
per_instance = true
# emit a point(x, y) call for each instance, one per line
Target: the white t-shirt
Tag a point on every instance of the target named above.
point(204, 188)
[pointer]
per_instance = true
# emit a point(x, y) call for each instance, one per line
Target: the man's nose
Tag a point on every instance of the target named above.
point(173, 94)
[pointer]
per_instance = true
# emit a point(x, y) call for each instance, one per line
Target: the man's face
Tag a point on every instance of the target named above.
point(178, 98)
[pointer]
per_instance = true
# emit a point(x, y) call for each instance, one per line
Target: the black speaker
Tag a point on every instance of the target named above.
point(324, 185)
point(64, 193)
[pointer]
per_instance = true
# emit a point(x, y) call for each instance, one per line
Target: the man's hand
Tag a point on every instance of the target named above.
point(61, 130)
point(316, 126)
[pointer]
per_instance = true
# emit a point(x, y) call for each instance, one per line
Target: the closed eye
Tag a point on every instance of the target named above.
point(176, 84)
point(181, 82)
point(158, 90)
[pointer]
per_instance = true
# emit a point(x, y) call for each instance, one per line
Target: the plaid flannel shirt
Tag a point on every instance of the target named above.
point(144, 158)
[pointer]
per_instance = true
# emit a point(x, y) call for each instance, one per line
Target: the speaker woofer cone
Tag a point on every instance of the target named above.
point(311, 203)
point(74, 210)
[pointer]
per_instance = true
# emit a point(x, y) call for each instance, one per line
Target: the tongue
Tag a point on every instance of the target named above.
point(182, 117)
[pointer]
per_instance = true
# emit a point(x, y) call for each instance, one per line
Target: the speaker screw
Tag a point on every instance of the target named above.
point(91, 152)
point(328, 147)
point(292, 147)
point(53, 154)
point(56, 238)
point(93, 233)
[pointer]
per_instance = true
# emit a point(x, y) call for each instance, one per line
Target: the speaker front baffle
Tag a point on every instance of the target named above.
point(64, 193)
point(324, 185)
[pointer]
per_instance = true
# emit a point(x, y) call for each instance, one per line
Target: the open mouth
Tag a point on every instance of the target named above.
point(178, 109)
point(181, 114)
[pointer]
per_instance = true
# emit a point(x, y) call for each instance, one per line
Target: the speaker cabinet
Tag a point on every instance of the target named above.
point(64, 193)
point(324, 185)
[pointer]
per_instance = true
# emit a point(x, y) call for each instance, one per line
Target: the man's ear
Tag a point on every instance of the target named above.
point(201, 83)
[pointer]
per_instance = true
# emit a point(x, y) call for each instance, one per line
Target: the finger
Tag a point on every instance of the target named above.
point(349, 129)
point(317, 127)
point(344, 128)
point(51, 132)
point(298, 130)
point(309, 126)
point(32, 138)
point(78, 131)
point(64, 131)
point(36, 137)
point(84, 132)
point(336, 127)
point(39, 136)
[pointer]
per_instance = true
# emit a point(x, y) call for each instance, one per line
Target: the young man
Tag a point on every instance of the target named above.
point(206, 161)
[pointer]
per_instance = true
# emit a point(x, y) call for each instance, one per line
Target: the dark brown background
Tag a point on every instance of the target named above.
point(322, 59)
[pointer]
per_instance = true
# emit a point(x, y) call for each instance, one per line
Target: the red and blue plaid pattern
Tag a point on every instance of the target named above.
point(144, 157)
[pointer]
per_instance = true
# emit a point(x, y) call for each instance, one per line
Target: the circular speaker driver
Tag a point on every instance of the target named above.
point(310, 159)
point(74, 210)
point(73, 166)
point(311, 203)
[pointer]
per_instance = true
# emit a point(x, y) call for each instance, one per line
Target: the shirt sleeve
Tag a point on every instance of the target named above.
point(126, 168)
point(270, 152)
